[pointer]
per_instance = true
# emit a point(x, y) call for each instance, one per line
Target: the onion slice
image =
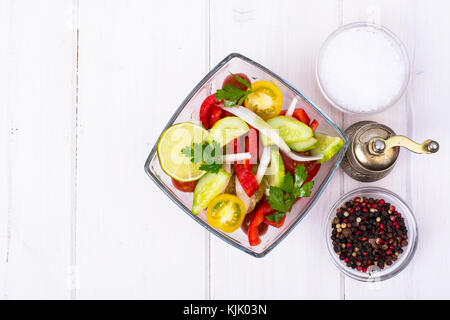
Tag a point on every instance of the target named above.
point(257, 122)
point(290, 110)
point(241, 194)
point(230, 158)
point(263, 164)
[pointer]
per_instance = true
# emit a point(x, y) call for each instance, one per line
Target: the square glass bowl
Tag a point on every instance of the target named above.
point(189, 112)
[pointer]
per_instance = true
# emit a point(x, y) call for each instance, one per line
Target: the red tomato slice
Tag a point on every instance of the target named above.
point(232, 80)
point(227, 114)
point(206, 110)
point(311, 167)
point(216, 114)
point(184, 186)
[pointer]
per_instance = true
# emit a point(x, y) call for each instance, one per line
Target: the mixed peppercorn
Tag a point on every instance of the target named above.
point(367, 232)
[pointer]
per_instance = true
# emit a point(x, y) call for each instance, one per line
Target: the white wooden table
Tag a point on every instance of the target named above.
point(86, 87)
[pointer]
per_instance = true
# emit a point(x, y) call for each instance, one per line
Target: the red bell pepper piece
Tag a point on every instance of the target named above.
point(253, 145)
point(314, 125)
point(273, 223)
point(246, 178)
point(236, 143)
point(239, 146)
point(258, 218)
point(301, 115)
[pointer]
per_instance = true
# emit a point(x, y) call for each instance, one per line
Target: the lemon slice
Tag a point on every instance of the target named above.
point(172, 161)
point(326, 145)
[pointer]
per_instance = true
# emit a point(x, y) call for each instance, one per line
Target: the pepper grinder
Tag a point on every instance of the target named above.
point(374, 149)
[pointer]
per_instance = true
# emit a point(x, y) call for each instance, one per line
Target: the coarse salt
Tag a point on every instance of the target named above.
point(362, 69)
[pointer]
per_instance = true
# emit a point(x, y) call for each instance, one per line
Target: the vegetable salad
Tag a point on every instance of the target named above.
point(249, 161)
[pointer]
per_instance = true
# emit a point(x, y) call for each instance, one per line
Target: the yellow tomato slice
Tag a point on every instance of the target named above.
point(226, 212)
point(265, 100)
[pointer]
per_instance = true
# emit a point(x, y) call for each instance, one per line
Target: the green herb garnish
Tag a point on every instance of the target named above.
point(231, 95)
point(205, 153)
point(282, 198)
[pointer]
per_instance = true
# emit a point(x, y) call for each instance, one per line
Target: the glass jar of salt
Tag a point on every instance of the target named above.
point(362, 68)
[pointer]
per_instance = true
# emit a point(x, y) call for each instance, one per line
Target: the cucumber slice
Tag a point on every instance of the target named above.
point(227, 129)
point(326, 145)
point(209, 187)
point(290, 130)
point(275, 173)
point(303, 145)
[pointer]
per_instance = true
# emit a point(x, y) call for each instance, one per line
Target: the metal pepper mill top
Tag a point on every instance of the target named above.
point(374, 149)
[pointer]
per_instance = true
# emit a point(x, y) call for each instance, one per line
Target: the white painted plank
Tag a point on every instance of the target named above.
point(4, 175)
point(138, 60)
point(387, 14)
point(36, 90)
point(284, 36)
point(420, 114)
point(430, 176)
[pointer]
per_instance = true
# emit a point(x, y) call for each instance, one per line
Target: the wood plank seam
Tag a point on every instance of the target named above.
point(73, 272)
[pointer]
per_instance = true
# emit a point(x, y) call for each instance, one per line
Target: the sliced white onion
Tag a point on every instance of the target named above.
point(230, 158)
point(290, 110)
point(263, 164)
point(241, 194)
point(297, 157)
point(256, 121)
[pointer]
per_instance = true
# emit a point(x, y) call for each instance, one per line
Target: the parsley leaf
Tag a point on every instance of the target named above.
point(206, 154)
point(288, 183)
point(300, 176)
point(277, 216)
point(214, 167)
point(283, 198)
point(231, 95)
point(276, 200)
point(305, 190)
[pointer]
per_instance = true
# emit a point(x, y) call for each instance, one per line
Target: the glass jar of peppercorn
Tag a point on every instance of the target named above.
point(371, 234)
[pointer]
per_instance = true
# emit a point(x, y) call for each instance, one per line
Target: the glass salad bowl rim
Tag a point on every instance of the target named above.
point(390, 271)
point(172, 119)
